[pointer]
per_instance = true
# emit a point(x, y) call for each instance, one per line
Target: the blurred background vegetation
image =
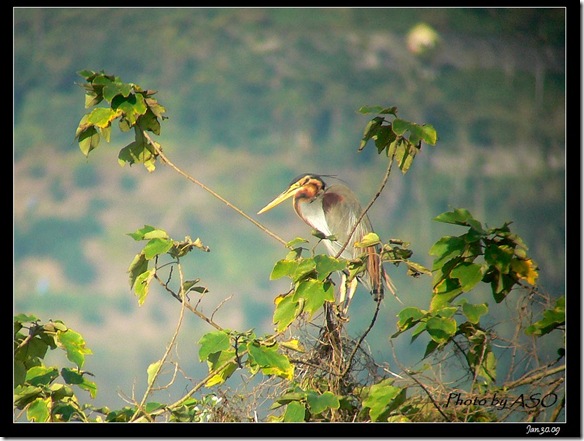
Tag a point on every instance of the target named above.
point(255, 97)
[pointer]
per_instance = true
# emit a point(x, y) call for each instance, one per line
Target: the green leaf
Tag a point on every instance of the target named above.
point(74, 345)
point(370, 130)
point(41, 375)
point(445, 249)
point(552, 319)
point(444, 292)
point(408, 317)
point(102, 117)
point(156, 247)
point(148, 232)
point(315, 293)
point(306, 267)
point(431, 347)
point(287, 309)
point(325, 265)
point(212, 342)
point(445, 312)
point(39, 410)
point(137, 152)
point(318, 403)
point(76, 377)
point(141, 285)
point(293, 344)
point(441, 329)
point(379, 399)
point(468, 274)
point(499, 256)
point(284, 268)
point(120, 416)
point(88, 140)
point(400, 126)
point(155, 233)
point(155, 107)
point(295, 412)
point(35, 349)
point(383, 138)
point(132, 106)
point(111, 90)
point(26, 318)
point(271, 361)
point(215, 360)
point(474, 312)
point(138, 267)
point(26, 394)
point(152, 406)
point(460, 216)
point(296, 241)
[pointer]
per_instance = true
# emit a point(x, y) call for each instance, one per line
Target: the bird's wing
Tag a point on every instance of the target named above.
point(341, 210)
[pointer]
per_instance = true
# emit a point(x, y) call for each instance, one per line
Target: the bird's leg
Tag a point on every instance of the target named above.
point(346, 292)
point(352, 288)
point(343, 289)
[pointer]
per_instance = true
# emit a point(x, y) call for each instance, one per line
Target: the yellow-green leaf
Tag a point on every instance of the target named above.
point(314, 293)
point(526, 270)
point(212, 342)
point(287, 309)
point(224, 363)
point(74, 345)
point(39, 410)
point(368, 240)
point(293, 344)
point(142, 285)
point(152, 371)
point(156, 247)
point(271, 361)
point(102, 116)
point(379, 398)
point(88, 140)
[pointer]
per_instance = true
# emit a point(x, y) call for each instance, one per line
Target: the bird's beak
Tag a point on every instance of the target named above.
point(285, 195)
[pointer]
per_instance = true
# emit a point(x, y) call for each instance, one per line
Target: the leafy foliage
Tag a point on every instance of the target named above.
point(390, 136)
point(132, 106)
point(331, 379)
point(37, 389)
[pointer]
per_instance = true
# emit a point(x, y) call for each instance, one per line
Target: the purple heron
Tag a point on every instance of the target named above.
point(333, 211)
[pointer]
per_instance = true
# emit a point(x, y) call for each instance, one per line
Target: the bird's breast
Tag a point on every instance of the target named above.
point(313, 214)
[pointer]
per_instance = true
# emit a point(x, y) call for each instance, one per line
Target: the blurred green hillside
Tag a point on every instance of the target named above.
point(255, 97)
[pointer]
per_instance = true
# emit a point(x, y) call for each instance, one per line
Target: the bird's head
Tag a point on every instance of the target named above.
point(305, 186)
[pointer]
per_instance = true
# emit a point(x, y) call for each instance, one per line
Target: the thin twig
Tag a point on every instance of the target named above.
point(436, 405)
point(188, 305)
point(356, 348)
point(166, 353)
point(530, 379)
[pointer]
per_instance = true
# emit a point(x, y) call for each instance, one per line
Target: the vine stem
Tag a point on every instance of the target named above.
point(140, 407)
point(209, 190)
